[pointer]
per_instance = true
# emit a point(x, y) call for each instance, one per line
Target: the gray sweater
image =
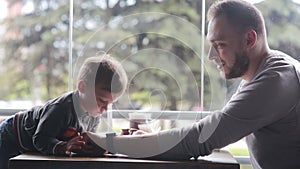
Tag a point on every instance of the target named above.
point(265, 110)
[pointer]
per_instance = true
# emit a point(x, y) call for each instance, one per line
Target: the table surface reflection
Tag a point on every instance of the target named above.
point(219, 159)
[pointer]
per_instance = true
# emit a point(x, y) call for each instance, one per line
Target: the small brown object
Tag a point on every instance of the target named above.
point(125, 132)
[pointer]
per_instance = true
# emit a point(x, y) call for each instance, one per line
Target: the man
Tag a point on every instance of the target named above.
point(265, 108)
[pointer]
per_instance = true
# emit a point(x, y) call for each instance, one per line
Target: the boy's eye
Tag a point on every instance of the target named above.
point(102, 101)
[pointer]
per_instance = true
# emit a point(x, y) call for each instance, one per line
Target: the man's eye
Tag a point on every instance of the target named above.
point(219, 45)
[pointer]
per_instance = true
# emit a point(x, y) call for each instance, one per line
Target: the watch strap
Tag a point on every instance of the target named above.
point(110, 142)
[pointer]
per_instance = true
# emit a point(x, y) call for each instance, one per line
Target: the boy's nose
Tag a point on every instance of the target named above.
point(103, 108)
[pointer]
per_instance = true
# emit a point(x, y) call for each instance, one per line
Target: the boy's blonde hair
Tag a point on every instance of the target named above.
point(104, 72)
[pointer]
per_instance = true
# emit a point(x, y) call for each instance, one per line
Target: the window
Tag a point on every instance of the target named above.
point(145, 36)
point(159, 42)
point(34, 52)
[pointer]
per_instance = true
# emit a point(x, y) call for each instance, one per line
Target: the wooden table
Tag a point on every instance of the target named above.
point(217, 160)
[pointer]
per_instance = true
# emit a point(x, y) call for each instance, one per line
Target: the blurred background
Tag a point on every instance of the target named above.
point(154, 40)
point(159, 43)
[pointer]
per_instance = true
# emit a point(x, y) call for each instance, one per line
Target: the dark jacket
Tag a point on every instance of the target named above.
point(42, 128)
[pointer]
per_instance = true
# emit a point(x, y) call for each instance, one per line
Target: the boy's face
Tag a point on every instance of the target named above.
point(96, 102)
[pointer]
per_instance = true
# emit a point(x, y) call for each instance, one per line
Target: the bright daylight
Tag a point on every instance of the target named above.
point(149, 84)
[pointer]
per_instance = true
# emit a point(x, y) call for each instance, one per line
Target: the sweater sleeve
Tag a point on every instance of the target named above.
point(261, 102)
point(52, 121)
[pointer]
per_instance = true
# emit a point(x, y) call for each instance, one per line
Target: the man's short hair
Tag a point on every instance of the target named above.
point(239, 13)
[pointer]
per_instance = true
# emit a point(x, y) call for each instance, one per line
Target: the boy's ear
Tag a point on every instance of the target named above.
point(81, 86)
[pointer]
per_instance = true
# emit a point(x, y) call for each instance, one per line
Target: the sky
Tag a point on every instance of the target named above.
point(3, 10)
point(296, 1)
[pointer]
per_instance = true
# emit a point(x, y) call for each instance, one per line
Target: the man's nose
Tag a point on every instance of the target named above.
point(212, 54)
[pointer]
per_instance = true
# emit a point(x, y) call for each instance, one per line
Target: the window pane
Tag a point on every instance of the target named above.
point(34, 56)
point(158, 43)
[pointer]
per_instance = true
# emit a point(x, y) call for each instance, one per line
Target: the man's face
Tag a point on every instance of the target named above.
point(227, 50)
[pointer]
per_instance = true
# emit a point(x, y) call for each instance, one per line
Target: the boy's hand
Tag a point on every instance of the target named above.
point(80, 145)
point(90, 148)
point(75, 145)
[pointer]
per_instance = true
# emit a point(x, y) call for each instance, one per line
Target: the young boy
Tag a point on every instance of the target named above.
point(58, 126)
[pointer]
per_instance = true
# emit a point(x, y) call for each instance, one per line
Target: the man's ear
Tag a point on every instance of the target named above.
point(251, 38)
point(81, 86)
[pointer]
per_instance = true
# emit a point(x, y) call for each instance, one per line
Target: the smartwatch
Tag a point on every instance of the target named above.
point(110, 142)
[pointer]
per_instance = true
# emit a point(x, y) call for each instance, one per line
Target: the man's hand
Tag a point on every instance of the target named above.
point(139, 132)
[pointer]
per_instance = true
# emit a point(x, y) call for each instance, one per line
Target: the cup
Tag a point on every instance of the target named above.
point(137, 119)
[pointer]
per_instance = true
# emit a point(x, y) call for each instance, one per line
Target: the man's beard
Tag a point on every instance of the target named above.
point(239, 67)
